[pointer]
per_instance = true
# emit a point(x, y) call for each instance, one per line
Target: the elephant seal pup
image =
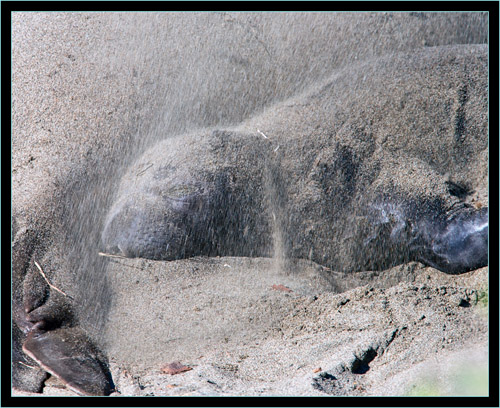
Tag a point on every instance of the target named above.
point(185, 208)
point(321, 178)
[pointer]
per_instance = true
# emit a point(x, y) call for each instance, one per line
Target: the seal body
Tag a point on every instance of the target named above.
point(315, 176)
point(332, 215)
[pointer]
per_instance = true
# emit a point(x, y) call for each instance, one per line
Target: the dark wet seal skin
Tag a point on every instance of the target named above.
point(456, 244)
point(451, 240)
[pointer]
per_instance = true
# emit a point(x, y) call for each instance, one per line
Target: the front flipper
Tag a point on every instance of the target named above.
point(68, 354)
point(26, 374)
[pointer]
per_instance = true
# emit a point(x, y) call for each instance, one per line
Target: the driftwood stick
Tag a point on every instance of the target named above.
point(144, 170)
point(262, 133)
point(48, 283)
point(26, 365)
point(111, 255)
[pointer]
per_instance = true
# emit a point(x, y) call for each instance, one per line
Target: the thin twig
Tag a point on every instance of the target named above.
point(24, 364)
point(48, 283)
point(120, 263)
point(143, 171)
point(262, 134)
point(111, 255)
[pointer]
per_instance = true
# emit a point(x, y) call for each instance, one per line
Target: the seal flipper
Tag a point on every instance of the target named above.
point(68, 354)
point(45, 331)
point(26, 374)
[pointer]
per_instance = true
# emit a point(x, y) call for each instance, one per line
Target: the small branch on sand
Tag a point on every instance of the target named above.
point(144, 170)
point(265, 137)
point(48, 283)
point(120, 263)
point(26, 365)
point(111, 255)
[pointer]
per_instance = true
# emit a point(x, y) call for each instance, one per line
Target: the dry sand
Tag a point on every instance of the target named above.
point(427, 335)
